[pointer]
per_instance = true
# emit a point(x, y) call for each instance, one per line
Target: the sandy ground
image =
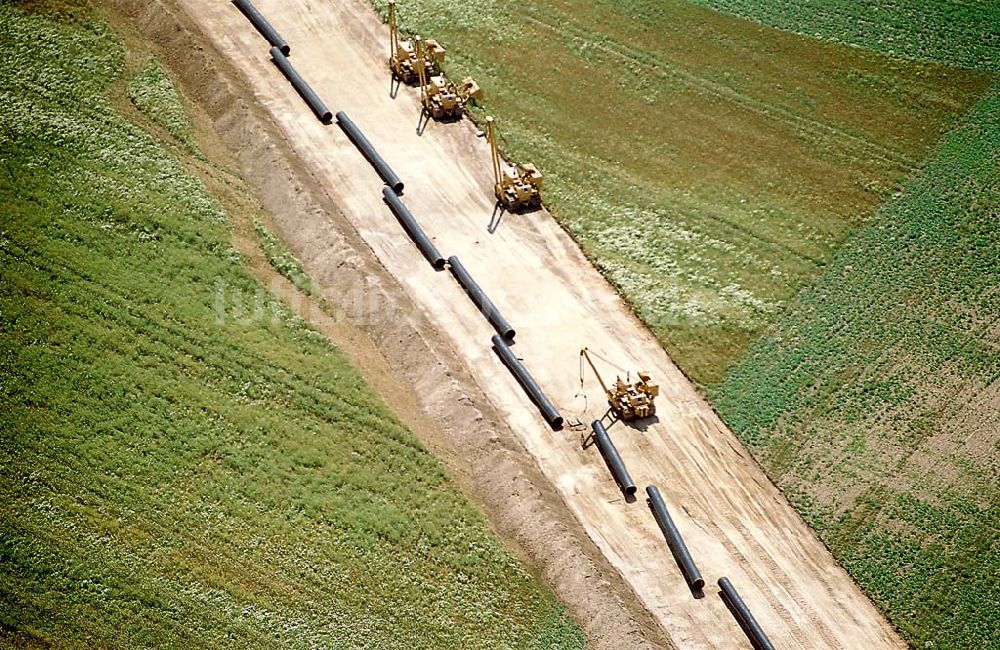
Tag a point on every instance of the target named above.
point(734, 520)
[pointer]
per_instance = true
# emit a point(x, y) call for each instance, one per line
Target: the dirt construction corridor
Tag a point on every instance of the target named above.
point(733, 519)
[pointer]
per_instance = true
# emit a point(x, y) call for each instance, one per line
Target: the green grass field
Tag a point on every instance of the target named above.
point(873, 403)
point(965, 33)
point(709, 166)
point(177, 468)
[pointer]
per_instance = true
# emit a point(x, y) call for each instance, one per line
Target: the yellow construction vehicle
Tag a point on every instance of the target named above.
point(440, 98)
point(516, 187)
point(403, 56)
point(629, 400)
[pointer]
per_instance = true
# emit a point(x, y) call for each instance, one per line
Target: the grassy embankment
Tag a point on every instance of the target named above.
point(708, 165)
point(176, 471)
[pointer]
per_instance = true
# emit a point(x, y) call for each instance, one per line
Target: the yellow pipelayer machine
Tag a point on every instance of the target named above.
point(441, 99)
point(403, 55)
point(629, 400)
point(518, 187)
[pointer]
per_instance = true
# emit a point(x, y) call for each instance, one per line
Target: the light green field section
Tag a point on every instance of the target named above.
point(154, 94)
point(183, 463)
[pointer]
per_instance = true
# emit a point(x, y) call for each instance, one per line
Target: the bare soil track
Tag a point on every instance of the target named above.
point(327, 205)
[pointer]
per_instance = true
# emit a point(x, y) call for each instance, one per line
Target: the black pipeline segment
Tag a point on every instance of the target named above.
point(413, 228)
point(264, 27)
point(482, 301)
point(743, 616)
point(368, 151)
point(527, 382)
point(300, 85)
point(612, 458)
point(674, 539)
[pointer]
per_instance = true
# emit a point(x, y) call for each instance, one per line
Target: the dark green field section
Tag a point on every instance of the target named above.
point(874, 403)
point(965, 33)
point(183, 463)
point(707, 165)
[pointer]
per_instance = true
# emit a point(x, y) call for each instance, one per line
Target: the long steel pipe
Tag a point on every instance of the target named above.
point(612, 458)
point(674, 539)
point(483, 302)
point(527, 382)
point(368, 151)
point(300, 85)
point(743, 616)
point(413, 228)
point(264, 27)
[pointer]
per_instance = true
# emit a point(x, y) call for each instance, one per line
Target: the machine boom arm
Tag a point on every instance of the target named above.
point(491, 135)
point(393, 30)
point(586, 355)
point(418, 47)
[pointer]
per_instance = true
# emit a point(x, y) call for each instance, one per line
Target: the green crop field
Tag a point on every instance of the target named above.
point(708, 165)
point(961, 32)
point(875, 402)
point(177, 468)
